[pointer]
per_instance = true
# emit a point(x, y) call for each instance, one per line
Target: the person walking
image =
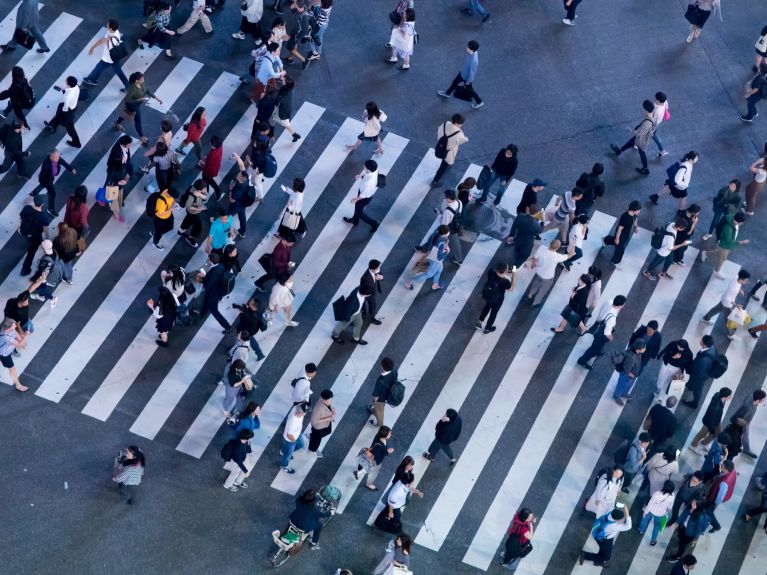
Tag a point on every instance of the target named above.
point(544, 262)
point(66, 248)
point(434, 260)
point(278, 262)
point(604, 531)
point(661, 424)
point(196, 15)
point(449, 137)
point(128, 472)
point(379, 450)
point(662, 467)
point(194, 130)
point(112, 38)
point(159, 32)
point(652, 338)
point(65, 113)
point(629, 371)
point(466, 76)
point(720, 491)
point(700, 370)
point(518, 538)
point(241, 196)
point(525, 229)
point(165, 166)
point(220, 233)
point(606, 487)
point(476, 7)
point(20, 96)
point(660, 115)
point(28, 19)
point(323, 416)
point(372, 279)
point(747, 411)
point(697, 15)
point(373, 117)
point(758, 510)
point(691, 489)
point(579, 231)
point(712, 420)
point(664, 253)
point(302, 385)
point(530, 196)
point(755, 93)
point(634, 459)
point(656, 510)
point(728, 240)
point(368, 186)
point(502, 169)
point(52, 166)
point(285, 107)
point(162, 220)
point(321, 14)
point(575, 312)
point(384, 382)
point(564, 214)
point(679, 175)
point(692, 523)
point(718, 451)
point(292, 221)
point(675, 361)
point(402, 40)
point(447, 431)
point(755, 186)
point(641, 138)
point(350, 313)
point(10, 137)
point(726, 202)
point(194, 203)
point(211, 164)
point(690, 217)
point(164, 311)
point(10, 342)
point(397, 556)
point(248, 418)
point(627, 227)
point(50, 272)
point(234, 453)
point(281, 298)
point(136, 94)
point(729, 297)
point(33, 226)
point(500, 280)
point(570, 15)
point(212, 282)
point(251, 320)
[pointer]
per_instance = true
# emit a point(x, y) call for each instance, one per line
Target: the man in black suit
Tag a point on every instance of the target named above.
point(214, 292)
point(523, 233)
point(699, 373)
point(10, 135)
point(371, 279)
point(381, 391)
point(51, 168)
point(119, 166)
point(662, 424)
point(350, 312)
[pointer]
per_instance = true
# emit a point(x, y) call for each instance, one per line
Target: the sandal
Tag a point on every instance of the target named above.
point(555, 330)
point(371, 487)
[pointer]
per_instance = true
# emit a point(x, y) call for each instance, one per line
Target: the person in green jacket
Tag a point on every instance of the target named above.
point(136, 94)
point(727, 241)
point(726, 202)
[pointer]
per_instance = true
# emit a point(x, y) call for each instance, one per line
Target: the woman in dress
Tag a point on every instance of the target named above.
point(373, 116)
point(292, 219)
point(697, 14)
point(402, 40)
point(606, 492)
point(756, 185)
point(281, 297)
point(576, 310)
point(194, 131)
point(164, 311)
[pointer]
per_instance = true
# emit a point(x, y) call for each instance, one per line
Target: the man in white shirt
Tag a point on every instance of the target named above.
point(292, 439)
point(109, 41)
point(731, 293)
point(302, 384)
point(544, 262)
point(450, 215)
point(603, 330)
point(368, 184)
point(664, 255)
point(65, 113)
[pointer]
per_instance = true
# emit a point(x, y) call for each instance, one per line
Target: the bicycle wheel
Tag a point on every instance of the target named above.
point(279, 558)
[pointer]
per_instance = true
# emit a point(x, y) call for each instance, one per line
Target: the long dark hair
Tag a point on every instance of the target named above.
point(135, 455)
point(404, 540)
point(197, 116)
point(371, 108)
point(17, 74)
point(177, 276)
point(166, 301)
point(79, 197)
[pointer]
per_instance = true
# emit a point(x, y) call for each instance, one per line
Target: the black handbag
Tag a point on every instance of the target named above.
point(118, 52)
point(381, 182)
point(462, 93)
point(395, 18)
point(23, 38)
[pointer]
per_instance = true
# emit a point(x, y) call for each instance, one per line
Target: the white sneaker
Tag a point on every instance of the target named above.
point(703, 255)
point(54, 301)
point(36, 297)
point(719, 275)
point(238, 36)
point(568, 22)
point(706, 237)
point(291, 323)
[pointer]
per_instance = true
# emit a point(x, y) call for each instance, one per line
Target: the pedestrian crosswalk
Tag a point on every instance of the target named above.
point(445, 366)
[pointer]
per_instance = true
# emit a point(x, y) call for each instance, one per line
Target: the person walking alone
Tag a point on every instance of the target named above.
point(384, 382)
point(368, 186)
point(373, 117)
point(643, 132)
point(519, 536)
point(136, 94)
point(499, 281)
point(52, 166)
point(679, 175)
point(451, 135)
point(28, 19)
point(626, 229)
point(466, 76)
point(65, 113)
point(128, 472)
point(323, 416)
point(447, 431)
point(112, 38)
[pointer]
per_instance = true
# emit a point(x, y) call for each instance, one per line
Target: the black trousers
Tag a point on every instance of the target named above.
point(695, 386)
point(571, 8)
point(161, 227)
point(212, 183)
point(315, 437)
point(457, 81)
point(359, 213)
point(595, 349)
point(604, 554)
point(50, 190)
point(620, 248)
point(443, 167)
point(492, 309)
point(642, 155)
point(683, 541)
point(21, 164)
point(210, 304)
point(261, 282)
point(33, 244)
point(757, 511)
point(371, 304)
point(193, 224)
point(66, 119)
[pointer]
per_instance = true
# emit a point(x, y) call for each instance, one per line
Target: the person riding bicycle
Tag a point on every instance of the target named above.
point(307, 516)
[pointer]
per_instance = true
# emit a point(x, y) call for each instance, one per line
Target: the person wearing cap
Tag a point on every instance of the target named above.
point(51, 168)
point(371, 279)
point(351, 313)
point(530, 195)
point(50, 269)
point(65, 113)
point(162, 221)
point(10, 137)
point(10, 341)
point(642, 134)
point(33, 225)
point(503, 168)
point(323, 416)
point(605, 530)
point(625, 230)
point(368, 185)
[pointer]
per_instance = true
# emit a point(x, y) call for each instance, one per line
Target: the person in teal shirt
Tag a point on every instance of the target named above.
point(219, 233)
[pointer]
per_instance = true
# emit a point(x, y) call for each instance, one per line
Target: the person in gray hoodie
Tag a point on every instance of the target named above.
point(635, 459)
point(28, 18)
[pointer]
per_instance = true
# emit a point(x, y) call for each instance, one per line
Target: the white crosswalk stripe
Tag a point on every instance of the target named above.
point(443, 510)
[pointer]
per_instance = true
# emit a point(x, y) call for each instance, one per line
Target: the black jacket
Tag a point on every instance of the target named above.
point(239, 451)
point(663, 424)
point(684, 362)
point(524, 230)
point(578, 301)
point(529, 197)
point(212, 282)
point(307, 516)
point(351, 306)
point(11, 140)
point(368, 280)
point(251, 321)
point(653, 344)
point(46, 170)
point(383, 385)
point(503, 166)
point(713, 416)
point(448, 431)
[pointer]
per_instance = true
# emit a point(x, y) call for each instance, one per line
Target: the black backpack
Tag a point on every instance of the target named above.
point(151, 203)
point(672, 170)
point(227, 281)
point(455, 224)
point(29, 96)
point(440, 150)
point(396, 393)
point(657, 237)
point(491, 292)
point(718, 366)
point(27, 225)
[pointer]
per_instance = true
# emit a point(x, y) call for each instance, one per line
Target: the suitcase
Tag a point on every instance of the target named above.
point(382, 522)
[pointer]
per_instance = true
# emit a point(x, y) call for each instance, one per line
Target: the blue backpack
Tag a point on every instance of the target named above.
point(598, 529)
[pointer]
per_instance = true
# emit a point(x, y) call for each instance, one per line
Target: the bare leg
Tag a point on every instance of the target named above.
point(15, 379)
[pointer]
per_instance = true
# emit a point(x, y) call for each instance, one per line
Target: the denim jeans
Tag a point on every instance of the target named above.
point(501, 187)
point(475, 6)
point(656, 519)
point(719, 213)
point(657, 141)
point(239, 209)
point(256, 348)
point(623, 386)
point(578, 254)
point(289, 447)
point(321, 35)
point(434, 271)
point(658, 260)
point(101, 66)
point(751, 105)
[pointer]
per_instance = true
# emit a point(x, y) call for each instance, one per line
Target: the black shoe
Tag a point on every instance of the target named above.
point(690, 404)
point(25, 272)
point(7, 48)
point(643, 171)
point(714, 529)
point(360, 341)
point(338, 339)
point(77, 145)
point(374, 228)
point(654, 199)
point(584, 365)
point(490, 329)
point(296, 137)
point(375, 321)
point(43, 50)
point(616, 150)
point(349, 221)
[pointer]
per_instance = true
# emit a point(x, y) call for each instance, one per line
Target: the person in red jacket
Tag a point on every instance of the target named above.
point(279, 261)
point(76, 214)
point(721, 490)
point(212, 164)
point(194, 131)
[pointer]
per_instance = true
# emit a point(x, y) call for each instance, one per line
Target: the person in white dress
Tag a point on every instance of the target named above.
point(606, 492)
point(373, 117)
point(292, 219)
point(281, 298)
point(402, 40)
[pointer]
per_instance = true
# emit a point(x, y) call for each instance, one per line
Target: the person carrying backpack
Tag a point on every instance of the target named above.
point(20, 96)
point(234, 453)
point(33, 225)
point(604, 531)
point(518, 542)
point(607, 484)
point(665, 244)
point(50, 268)
point(381, 390)
point(241, 196)
point(449, 137)
point(499, 281)
point(678, 180)
point(755, 92)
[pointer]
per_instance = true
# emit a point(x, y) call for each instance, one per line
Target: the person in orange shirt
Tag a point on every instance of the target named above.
point(162, 219)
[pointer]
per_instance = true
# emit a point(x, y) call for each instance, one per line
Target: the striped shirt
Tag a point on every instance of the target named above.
point(659, 503)
point(322, 15)
point(130, 475)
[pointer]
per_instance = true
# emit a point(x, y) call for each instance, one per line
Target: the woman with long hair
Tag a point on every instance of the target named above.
point(281, 297)
point(18, 95)
point(373, 116)
point(76, 211)
point(194, 131)
point(292, 222)
point(129, 469)
point(164, 311)
point(402, 40)
point(164, 164)
point(65, 246)
point(397, 555)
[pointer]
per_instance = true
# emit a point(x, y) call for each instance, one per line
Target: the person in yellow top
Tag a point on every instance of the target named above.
point(162, 219)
